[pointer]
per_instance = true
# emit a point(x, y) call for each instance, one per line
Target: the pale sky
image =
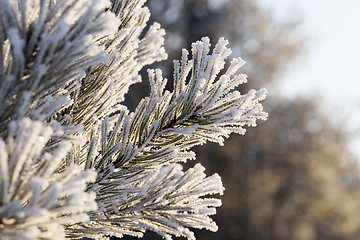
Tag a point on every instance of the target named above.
point(334, 47)
point(332, 67)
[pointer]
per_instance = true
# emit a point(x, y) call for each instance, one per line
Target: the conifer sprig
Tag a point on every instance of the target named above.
point(160, 132)
point(73, 161)
point(166, 123)
point(45, 48)
point(35, 200)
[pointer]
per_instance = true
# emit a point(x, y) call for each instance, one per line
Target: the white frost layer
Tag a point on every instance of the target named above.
point(35, 201)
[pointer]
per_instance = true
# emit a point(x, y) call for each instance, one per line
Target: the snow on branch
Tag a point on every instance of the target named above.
point(200, 109)
point(46, 46)
point(105, 85)
point(166, 201)
point(73, 161)
point(34, 200)
point(203, 107)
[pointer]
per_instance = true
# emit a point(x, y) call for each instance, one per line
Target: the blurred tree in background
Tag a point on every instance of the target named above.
point(293, 177)
point(297, 182)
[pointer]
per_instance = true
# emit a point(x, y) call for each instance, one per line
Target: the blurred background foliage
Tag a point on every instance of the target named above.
point(290, 178)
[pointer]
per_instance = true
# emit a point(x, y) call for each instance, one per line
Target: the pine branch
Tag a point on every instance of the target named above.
point(165, 123)
point(46, 47)
point(105, 85)
point(35, 201)
point(66, 65)
point(160, 131)
point(166, 201)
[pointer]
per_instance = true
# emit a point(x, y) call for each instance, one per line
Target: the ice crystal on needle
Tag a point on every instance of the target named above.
point(74, 162)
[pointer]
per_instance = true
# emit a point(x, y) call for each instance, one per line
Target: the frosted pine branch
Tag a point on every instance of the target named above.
point(73, 161)
point(35, 202)
point(166, 124)
point(166, 201)
point(160, 131)
point(45, 49)
point(105, 85)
